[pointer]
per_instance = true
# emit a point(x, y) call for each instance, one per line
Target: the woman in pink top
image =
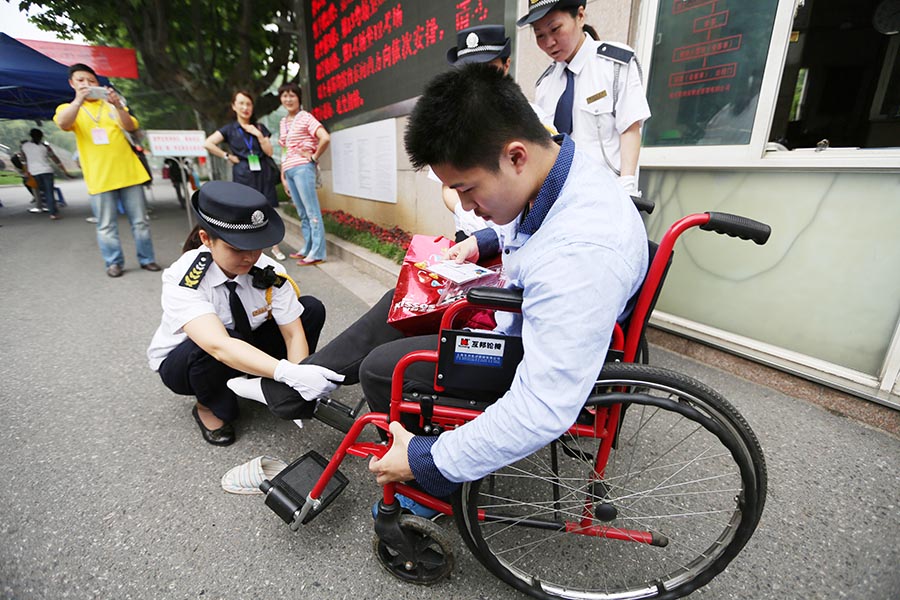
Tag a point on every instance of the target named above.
point(304, 140)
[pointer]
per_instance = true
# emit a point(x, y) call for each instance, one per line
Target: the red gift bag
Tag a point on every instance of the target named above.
point(421, 296)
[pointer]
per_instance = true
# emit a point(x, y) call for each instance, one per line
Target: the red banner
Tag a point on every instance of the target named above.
point(105, 60)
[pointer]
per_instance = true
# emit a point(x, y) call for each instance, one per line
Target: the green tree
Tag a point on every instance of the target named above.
point(194, 53)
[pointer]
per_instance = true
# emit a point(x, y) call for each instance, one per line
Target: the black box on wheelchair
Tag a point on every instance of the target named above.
point(477, 360)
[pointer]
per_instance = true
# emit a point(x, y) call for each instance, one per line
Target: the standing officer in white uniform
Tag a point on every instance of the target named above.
point(593, 89)
point(227, 311)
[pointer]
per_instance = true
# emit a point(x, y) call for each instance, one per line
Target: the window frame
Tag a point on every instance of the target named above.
point(755, 154)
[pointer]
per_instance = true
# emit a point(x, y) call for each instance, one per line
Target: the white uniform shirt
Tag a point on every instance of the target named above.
point(577, 272)
point(593, 122)
point(38, 158)
point(181, 304)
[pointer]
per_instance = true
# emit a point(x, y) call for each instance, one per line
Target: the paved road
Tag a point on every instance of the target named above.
point(109, 492)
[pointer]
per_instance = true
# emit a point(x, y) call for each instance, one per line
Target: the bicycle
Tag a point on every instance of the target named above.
point(651, 493)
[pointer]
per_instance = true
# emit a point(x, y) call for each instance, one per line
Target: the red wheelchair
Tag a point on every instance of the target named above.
point(651, 493)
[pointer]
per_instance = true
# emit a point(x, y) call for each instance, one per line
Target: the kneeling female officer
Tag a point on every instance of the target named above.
point(226, 311)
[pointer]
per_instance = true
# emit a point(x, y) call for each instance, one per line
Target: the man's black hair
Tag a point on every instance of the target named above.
point(80, 67)
point(466, 116)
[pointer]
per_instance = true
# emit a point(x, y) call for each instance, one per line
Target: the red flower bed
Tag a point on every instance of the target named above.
point(394, 235)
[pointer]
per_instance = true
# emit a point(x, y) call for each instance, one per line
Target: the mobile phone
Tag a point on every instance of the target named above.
point(98, 93)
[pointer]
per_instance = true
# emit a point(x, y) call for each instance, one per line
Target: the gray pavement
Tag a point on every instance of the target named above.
point(108, 490)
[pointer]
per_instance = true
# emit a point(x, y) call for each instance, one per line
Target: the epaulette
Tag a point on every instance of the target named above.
point(615, 53)
point(196, 271)
point(266, 278)
point(544, 74)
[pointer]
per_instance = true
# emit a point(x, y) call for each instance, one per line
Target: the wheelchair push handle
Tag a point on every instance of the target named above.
point(644, 205)
point(737, 226)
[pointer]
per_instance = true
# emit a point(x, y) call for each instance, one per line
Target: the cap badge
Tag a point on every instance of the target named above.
point(257, 218)
point(472, 40)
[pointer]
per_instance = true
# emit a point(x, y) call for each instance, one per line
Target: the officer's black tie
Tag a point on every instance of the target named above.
point(562, 120)
point(238, 313)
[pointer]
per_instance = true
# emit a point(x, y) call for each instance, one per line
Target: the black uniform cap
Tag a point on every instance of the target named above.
point(538, 9)
point(482, 43)
point(238, 214)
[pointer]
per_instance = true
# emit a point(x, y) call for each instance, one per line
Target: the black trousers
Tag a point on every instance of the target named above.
point(190, 371)
point(365, 353)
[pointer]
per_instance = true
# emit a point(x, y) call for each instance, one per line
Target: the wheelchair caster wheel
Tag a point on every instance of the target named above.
point(432, 558)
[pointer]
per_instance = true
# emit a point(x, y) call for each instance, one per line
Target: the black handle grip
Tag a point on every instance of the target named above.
point(737, 226)
point(643, 204)
point(499, 297)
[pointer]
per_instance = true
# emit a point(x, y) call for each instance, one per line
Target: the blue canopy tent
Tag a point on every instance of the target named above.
point(31, 85)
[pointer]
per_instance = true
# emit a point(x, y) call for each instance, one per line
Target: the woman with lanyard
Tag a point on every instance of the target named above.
point(250, 151)
point(593, 88)
point(304, 140)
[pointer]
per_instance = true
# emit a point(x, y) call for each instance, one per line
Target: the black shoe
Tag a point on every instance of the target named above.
point(223, 436)
point(151, 266)
point(115, 270)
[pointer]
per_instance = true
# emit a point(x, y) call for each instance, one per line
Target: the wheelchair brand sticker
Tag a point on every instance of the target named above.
point(484, 352)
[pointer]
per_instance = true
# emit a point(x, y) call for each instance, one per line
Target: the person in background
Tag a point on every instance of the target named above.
point(38, 158)
point(593, 88)
point(177, 169)
point(304, 140)
point(250, 151)
point(229, 309)
point(112, 171)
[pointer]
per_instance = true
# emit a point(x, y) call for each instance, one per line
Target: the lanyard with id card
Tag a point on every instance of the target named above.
point(99, 135)
point(252, 157)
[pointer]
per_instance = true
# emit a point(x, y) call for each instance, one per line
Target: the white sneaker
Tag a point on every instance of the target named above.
point(34, 210)
point(91, 219)
point(278, 255)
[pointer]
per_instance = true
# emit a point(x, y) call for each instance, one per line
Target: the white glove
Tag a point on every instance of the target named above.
point(311, 381)
point(629, 184)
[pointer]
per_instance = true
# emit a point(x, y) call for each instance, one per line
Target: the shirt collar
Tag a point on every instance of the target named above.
point(551, 187)
point(581, 57)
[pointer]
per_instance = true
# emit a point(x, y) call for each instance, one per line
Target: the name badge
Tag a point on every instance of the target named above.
point(597, 96)
point(99, 135)
point(253, 160)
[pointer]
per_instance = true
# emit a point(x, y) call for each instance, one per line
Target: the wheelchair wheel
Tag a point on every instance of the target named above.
point(678, 497)
point(433, 550)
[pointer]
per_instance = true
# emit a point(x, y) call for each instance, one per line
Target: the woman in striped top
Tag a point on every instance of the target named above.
point(303, 140)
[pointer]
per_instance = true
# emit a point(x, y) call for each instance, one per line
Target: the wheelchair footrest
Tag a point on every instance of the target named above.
point(288, 492)
point(337, 414)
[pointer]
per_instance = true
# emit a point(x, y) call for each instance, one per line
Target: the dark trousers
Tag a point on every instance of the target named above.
point(191, 371)
point(365, 353)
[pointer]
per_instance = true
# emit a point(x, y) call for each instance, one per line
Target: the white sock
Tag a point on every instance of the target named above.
point(250, 388)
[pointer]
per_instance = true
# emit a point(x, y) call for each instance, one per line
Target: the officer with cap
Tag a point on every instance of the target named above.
point(484, 44)
point(229, 310)
point(593, 88)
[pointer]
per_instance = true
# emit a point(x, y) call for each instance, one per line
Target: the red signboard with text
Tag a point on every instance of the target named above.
point(369, 54)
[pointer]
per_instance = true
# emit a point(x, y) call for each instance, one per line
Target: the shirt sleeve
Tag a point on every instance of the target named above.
point(183, 305)
point(570, 309)
point(488, 242)
point(312, 125)
point(286, 308)
point(632, 105)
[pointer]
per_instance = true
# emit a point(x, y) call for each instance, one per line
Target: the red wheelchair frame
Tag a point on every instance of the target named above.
point(600, 500)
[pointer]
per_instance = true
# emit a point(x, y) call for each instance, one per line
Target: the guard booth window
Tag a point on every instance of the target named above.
point(706, 70)
point(840, 86)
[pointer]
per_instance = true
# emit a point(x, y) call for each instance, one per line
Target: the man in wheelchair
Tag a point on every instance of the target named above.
point(577, 250)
